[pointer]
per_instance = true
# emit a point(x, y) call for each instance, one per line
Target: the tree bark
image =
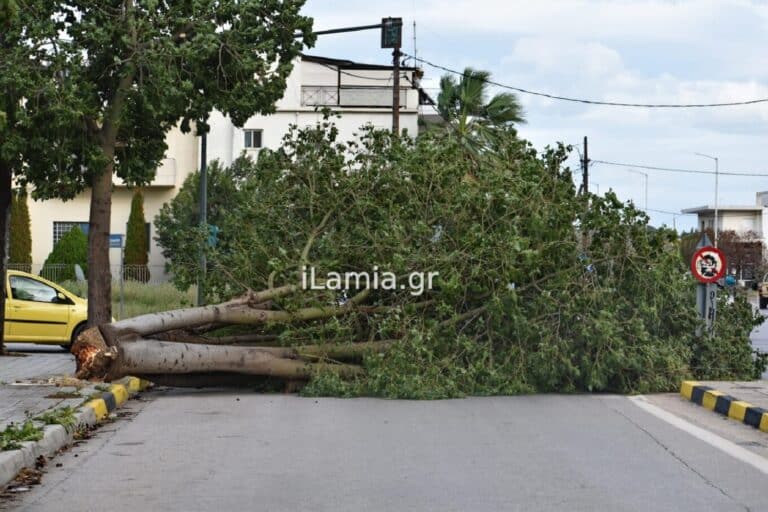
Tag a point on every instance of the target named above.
point(5, 209)
point(99, 275)
point(142, 356)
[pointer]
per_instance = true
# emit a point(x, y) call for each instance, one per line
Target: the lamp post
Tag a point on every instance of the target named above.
point(644, 175)
point(717, 175)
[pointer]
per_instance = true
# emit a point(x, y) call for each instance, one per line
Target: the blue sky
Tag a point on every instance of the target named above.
point(682, 51)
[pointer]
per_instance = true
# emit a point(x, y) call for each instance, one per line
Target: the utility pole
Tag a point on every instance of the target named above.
point(717, 175)
point(585, 168)
point(203, 216)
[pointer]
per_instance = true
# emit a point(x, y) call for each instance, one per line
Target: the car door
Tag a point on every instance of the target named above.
point(35, 312)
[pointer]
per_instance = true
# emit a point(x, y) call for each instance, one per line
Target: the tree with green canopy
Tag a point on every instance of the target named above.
point(127, 71)
point(465, 106)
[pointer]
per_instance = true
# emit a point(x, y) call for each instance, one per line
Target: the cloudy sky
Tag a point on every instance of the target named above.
point(700, 51)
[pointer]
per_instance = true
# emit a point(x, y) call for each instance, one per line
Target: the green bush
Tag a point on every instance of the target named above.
point(20, 249)
point(71, 250)
point(136, 242)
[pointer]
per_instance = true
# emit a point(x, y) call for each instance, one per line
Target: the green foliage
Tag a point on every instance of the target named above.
point(537, 290)
point(71, 250)
point(136, 241)
point(13, 435)
point(728, 354)
point(64, 416)
point(178, 224)
point(134, 72)
point(20, 250)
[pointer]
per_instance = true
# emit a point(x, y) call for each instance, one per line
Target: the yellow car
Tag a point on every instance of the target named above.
point(39, 311)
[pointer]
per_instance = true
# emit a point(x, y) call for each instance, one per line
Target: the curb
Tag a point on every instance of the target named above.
point(724, 404)
point(56, 436)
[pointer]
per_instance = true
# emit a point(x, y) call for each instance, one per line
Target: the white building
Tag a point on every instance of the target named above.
point(361, 93)
point(739, 218)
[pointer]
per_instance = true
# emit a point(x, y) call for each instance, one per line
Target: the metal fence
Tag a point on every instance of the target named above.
point(58, 272)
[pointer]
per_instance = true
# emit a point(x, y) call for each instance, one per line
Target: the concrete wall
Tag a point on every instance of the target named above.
point(740, 222)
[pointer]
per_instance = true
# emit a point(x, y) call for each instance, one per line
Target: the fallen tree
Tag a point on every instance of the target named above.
point(537, 288)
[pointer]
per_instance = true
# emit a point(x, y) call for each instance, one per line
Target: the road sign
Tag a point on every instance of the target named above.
point(115, 241)
point(708, 264)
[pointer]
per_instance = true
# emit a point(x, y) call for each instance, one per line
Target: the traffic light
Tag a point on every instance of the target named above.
point(391, 32)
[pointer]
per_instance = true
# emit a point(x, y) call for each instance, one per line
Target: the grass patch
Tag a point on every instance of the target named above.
point(64, 395)
point(13, 435)
point(141, 298)
point(64, 416)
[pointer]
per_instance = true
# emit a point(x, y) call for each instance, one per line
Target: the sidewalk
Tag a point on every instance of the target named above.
point(746, 402)
point(35, 383)
point(753, 391)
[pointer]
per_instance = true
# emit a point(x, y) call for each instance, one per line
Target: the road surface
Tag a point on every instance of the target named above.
point(209, 450)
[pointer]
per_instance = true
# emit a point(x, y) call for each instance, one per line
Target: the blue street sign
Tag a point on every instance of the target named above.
point(115, 241)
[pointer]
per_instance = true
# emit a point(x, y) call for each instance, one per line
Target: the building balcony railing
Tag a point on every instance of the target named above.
point(352, 96)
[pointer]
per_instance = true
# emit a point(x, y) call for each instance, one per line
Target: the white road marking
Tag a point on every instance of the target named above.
point(722, 444)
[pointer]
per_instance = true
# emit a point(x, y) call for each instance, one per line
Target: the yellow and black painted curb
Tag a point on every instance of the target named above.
point(118, 393)
point(725, 404)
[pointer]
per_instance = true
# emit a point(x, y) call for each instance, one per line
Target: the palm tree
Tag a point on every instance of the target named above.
point(463, 104)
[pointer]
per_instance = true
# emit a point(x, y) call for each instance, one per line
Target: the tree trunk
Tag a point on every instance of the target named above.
point(5, 208)
point(99, 276)
point(141, 356)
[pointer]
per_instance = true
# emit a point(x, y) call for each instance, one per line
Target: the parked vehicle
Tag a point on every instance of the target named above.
point(39, 311)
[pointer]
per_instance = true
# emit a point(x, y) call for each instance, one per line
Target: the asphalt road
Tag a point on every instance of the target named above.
point(208, 450)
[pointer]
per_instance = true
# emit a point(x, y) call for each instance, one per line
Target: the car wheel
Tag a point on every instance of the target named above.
point(77, 332)
point(763, 302)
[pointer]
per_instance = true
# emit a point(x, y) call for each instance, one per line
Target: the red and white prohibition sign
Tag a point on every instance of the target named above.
point(708, 264)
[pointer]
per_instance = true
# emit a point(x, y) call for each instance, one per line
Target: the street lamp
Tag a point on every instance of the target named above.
point(717, 175)
point(645, 175)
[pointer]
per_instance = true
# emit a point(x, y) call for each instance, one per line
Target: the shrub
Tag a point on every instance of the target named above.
point(71, 250)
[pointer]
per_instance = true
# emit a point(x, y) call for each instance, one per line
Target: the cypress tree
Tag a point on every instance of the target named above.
point(20, 252)
point(136, 241)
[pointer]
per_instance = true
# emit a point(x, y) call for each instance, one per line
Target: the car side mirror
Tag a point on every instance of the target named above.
point(61, 298)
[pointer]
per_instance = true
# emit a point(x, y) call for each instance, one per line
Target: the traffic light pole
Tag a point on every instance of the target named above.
point(396, 92)
point(203, 216)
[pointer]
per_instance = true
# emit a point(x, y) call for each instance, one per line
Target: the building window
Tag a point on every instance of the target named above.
point(62, 228)
point(252, 139)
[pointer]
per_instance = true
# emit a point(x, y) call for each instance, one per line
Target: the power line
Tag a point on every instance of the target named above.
point(595, 102)
point(375, 79)
point(673, 169)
